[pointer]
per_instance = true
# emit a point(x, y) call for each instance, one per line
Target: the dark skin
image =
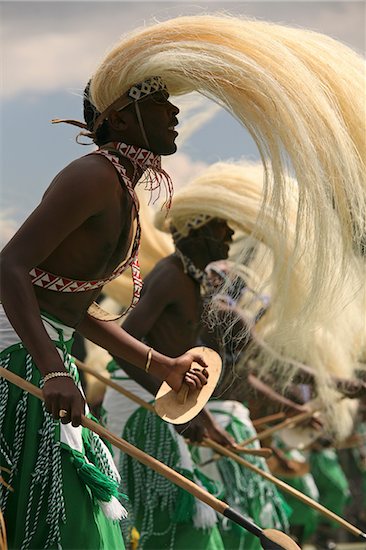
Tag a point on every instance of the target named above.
point(169, 313)
point(82, 229)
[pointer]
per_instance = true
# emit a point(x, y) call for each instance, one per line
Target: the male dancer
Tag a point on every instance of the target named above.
point(168, 318)
point(80, 236)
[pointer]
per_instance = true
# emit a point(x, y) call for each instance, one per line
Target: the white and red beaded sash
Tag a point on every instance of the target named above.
point(143, 159)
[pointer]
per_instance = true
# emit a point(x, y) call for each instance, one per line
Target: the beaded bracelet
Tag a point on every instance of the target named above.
point(56, 375)
point(148, 360)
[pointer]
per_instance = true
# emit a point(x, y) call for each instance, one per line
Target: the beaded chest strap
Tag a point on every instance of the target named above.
point(49, 281)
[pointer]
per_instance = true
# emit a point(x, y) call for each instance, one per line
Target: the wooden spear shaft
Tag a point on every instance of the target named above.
point(271, 539)
point(294, 492)
point(288, 423)
point(3, 541)
point(114, 385)
point(267, 419)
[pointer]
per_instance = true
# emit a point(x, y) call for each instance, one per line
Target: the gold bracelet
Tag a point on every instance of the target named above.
point(148, 359)
point(56, 375)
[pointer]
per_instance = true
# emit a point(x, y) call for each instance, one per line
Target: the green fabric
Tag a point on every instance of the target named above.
point(161, 512)
point(331, 482)
point(181, 536)
point(248, 493)
point(112, 366)
point(303, 518)
point(50, 507)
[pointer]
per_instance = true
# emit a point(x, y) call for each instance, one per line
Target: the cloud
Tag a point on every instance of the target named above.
point(47, 46)
point(182, 168)
point(52, 45)
point(39, 64)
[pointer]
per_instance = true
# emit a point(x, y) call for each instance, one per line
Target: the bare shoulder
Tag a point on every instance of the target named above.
point(170, 268)
point(168, 275)
point(93, 174)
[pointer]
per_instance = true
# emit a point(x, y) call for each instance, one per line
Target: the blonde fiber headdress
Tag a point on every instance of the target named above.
point(331, 338)
point(291, 89)
point(301, 96)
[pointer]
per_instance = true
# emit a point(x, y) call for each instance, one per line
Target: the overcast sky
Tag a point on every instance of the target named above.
point(49, 50)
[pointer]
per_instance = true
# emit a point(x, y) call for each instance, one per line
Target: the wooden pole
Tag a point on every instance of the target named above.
point(267, 419)
point(120, 389)
point(294, 492)
point(271, 539)
point(288, 423)
point(3, 541)
point(265, 453)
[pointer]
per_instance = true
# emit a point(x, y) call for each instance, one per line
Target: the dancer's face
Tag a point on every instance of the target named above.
point(159, 119)
point(218, 237)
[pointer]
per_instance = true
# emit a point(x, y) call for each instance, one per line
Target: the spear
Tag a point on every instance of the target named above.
point(3, 541)
point(270, 539)
point(267, 419)
point(288, 423)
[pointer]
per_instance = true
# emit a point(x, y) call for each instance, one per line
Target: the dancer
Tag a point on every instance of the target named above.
point(168, 318)
point(84, 233)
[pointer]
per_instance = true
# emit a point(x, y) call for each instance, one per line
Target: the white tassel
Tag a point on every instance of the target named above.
point(113, 509)
point(204, 517)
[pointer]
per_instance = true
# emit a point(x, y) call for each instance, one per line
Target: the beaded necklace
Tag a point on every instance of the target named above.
point(195, 273)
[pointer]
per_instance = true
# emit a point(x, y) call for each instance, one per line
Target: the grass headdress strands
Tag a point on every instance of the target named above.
point(331, 336)
point(301, 96)
point(270, 78)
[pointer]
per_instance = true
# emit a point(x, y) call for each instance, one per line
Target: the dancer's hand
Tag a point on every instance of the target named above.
point(220, 436)
point(181, 372)
point(194, 430)
point(205, 425)
point(215, 431)
point(61, 394)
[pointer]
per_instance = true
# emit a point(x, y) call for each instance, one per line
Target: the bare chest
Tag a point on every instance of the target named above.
point(179, 325)
point(97, 247)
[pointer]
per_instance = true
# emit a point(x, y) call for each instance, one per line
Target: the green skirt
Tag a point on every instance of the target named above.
point(166, 517)
point(57, 491)
point(249, 493)
point(331, 482)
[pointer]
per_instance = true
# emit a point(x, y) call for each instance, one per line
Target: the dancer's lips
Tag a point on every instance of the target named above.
point(172, 129)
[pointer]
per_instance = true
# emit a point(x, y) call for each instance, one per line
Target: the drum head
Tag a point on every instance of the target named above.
point(168, 403)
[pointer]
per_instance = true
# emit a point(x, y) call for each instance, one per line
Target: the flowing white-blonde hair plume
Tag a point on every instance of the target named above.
point(291, 88)
point(331, 345)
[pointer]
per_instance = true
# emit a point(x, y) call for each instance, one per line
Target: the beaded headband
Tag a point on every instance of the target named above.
point(135, 93)
point(192, 223)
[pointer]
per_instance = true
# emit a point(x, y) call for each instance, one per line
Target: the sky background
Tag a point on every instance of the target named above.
point(50, 49)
